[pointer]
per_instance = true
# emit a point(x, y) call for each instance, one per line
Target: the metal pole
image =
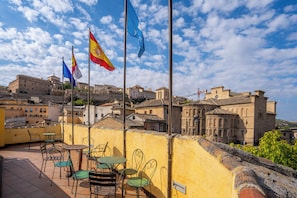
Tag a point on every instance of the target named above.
point(124, 91)
point(63, 100)
point(89, 99)
point(72, 108)
point(170, 99)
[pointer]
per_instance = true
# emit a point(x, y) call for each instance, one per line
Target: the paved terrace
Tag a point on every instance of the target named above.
point(20, 176)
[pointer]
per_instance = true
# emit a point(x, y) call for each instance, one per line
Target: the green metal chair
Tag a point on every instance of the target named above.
point(98, 151)
point(78, 176)
point(45, 154)
point(57, 154)
point(144, 176)
point(136, 162)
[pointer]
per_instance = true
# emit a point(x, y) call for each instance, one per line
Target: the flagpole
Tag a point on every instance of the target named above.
point(63, 100)
point(72, 108)
point(89, 97)
point(124, 91)
point(170, 99)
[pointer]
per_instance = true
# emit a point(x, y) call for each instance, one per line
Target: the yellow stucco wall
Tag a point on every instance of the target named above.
point(20, 135)
point(192, 166)
point(202, 173)
point(2, 117)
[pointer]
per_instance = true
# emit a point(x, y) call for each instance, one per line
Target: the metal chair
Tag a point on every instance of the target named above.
point(33, 138)
point(98, 151)
point(136, 162)
point(78, 176)
point(85, 141)
point(57, 154)
point(144, 176)
point(45, 154)
point(103, 183)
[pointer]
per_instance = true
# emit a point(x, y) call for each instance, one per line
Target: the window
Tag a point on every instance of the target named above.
point(220, 122)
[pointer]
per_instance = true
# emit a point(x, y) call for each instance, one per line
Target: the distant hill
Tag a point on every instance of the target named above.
point(284, 124)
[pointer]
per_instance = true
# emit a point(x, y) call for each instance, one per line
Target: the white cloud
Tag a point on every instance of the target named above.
point(106, 19)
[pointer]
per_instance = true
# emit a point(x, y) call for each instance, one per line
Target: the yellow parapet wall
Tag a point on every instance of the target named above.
point(195, 172)
point(198, 167)
point(20, 135)
point(2, 117)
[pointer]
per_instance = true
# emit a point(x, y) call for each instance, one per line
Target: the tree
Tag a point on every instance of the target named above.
point(273, 148)
point(79, 102)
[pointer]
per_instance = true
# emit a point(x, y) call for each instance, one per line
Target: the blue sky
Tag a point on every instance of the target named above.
point(243, 45)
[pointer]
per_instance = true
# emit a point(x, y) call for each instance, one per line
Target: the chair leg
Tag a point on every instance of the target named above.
point(137, 192)
point(76, 188)
point(41, 169)
point(53, 175)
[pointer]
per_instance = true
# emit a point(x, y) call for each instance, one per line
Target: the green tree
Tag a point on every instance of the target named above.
point(79, 102)
point(272, 147)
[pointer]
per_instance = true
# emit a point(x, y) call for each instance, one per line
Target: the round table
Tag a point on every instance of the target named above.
point(112, 161)
point(78, 147)
point(49, 137)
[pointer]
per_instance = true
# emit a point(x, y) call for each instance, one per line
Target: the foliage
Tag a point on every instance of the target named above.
point(67, 85)
point(79, 102)
point(273, 148)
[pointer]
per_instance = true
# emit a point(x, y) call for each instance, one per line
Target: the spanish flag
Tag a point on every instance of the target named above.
point(97, 55)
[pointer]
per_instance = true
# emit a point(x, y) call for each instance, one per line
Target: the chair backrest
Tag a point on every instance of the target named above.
point(137, 159)
point(107, 181)
point(99, 150)
point(45, 151)
point(148, 169)
point(56, 154)
point(85, 141)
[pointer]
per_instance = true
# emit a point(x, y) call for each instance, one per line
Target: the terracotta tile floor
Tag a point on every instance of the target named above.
point(20, 176)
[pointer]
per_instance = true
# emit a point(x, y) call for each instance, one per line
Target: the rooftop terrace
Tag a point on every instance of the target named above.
point(20, 176)
point(200, 168)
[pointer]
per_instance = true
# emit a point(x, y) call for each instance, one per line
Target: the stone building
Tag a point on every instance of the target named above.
point(159, 107)
point(29, 85)
point(227, 116)
point(28, 112)
point(138, 92)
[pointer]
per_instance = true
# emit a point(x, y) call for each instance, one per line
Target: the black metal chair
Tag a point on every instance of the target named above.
point(104, 183)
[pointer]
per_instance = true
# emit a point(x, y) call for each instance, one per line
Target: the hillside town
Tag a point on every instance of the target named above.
point(221, 116)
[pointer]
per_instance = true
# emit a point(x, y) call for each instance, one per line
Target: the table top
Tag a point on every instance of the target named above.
point(112, 160)
point(49, 133)
point(74, 146)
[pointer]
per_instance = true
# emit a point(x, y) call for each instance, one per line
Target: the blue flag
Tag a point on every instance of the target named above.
point(67, 74)
point(132, 27)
